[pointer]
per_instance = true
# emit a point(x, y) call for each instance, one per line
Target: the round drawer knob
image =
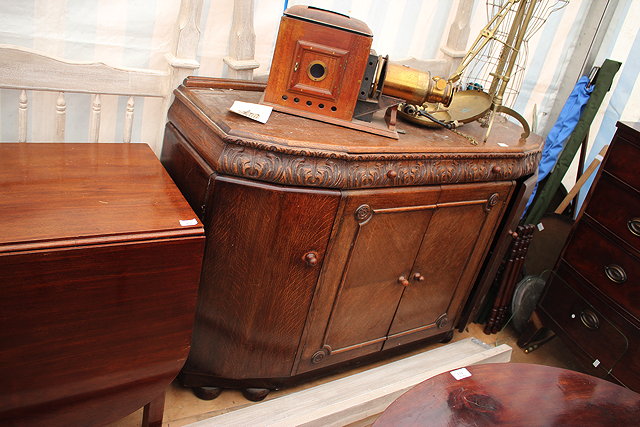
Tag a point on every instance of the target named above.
point(589, 319)
point(615, 273)
point(419, 277)
point(311, 258)
point(634, 226)
point(496, 169)
point(392, 174)
point(403, 281)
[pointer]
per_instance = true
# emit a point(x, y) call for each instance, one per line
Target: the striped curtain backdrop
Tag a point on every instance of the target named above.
point(139, 33)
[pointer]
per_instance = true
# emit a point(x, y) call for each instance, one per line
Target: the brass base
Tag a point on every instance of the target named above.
point(466, 106)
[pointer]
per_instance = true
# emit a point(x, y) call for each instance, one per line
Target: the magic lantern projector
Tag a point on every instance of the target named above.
point(323, 68)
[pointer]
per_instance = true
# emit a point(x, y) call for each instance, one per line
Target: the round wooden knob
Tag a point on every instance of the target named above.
point(392, 174)
point(496, 169)
point(403, 281)
point(419, 277)
point(311, 258)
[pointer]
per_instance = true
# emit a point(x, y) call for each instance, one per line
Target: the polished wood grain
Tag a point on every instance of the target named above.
point(55, 194)
point(588, 302)
point(257, 281)
point(457, 238)
point(385, 283)
point(623, 162)
point(315, 233)
point(192, 175)
point(360, 284)
point(341, 158)
point(592, 260)
point(616, 216)
point(514, 394)
point(98, 281)
point(607, 342)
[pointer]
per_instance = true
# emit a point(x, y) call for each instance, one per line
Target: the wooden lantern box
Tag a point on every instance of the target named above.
point(318, 64)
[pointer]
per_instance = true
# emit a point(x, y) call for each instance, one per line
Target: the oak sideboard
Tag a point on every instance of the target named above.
point(326, 245)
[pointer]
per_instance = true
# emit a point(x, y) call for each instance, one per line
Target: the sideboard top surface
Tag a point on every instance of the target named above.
point(292, 150)
point(66, 194)
point(292, 131)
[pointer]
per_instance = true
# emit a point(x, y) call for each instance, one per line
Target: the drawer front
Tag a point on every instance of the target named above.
point(606, 265)
point(623, 161)
point(583, 323)
point(617, 207)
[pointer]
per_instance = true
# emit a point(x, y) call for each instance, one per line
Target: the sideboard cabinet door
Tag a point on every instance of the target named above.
point(375, 242)
point(446, 266)
point(265, 248)
point(398, 261)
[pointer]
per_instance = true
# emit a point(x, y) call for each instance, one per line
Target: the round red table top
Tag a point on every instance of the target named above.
point(514, 394)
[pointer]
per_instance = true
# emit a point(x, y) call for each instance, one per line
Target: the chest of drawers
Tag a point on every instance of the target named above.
point(592, 301)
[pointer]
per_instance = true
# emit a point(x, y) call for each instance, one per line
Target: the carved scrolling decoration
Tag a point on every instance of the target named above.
point(363, 214)
point(442, 321)
point(492, 201)
point(320, 169)
point(319, 356)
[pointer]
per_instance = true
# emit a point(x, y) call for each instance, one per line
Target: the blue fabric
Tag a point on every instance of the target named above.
point(566, 123)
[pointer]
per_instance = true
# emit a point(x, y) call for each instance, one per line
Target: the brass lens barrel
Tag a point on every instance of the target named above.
point(415, 86)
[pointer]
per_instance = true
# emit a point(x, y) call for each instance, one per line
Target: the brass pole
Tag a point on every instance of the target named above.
point(502, 80)
point(507, 48)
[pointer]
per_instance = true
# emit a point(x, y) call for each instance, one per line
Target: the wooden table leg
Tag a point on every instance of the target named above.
point(153, 412)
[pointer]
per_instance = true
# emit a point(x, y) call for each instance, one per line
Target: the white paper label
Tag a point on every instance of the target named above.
point(540, 226)
point(596, 363)
point(256, 112)
point(598, 157)
point(501, 144)
point(187, 222)
point(461, 373)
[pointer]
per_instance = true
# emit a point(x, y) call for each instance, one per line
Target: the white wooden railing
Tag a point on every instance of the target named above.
point(35, 75)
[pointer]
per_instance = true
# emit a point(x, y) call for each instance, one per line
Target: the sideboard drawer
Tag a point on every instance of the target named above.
point(623, 162)
point(617, 207)
point(607, 266)
point(583, 323)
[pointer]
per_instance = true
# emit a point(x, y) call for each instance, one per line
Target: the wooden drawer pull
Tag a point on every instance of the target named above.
point(634, 226)
point(615, 273)
point(589, 319)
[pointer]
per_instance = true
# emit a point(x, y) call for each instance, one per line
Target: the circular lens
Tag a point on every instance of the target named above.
point(317, 71)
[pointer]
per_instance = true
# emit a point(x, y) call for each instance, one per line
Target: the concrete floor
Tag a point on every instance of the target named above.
point(182, 407)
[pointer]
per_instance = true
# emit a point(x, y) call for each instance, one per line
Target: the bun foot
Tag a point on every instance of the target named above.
point(255, 394)
point(207, 393)
point(448, 337)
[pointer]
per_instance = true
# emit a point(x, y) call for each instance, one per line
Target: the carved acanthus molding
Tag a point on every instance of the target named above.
point(340, 170)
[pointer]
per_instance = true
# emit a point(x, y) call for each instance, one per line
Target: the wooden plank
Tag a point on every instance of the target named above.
point(362, 395)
